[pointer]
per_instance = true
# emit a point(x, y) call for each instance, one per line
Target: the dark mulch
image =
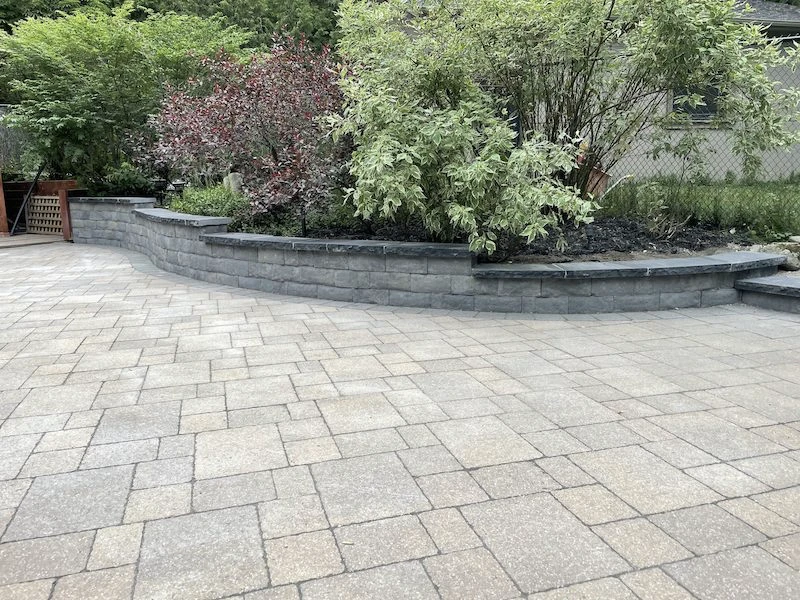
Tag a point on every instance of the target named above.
point(610, 237)
point(607, 238)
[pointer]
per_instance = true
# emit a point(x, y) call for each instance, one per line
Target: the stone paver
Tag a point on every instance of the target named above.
point(290, 516)
point(72, 502)
point(644, 481)
point(716, 436)
point(786, 548)
point(482, 441)
point(654, 584)
point(224, 492)
point(514, 479)
point(359, 413)
point(237, 451)
point(166, 438)
point(541, 544)
point(404, 581)
point(115, 546)
point(601, 589)
point(743, 573)
point(303, 557)
point(125, 423)
point(44, 557)
point(366, 488)
point(383, 542)
point(449, 530)
point(109, 584)
point(594, 504)
point(707, 529)
point(641, 543)
point(204, 555)
point(470, 574)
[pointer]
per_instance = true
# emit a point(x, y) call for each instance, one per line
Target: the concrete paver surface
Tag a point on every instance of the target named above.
point(165, 438)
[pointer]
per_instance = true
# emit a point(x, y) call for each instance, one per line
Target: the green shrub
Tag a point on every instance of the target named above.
point(215, 201)
point(125, 180)
point(430, 142)
point(87, 81)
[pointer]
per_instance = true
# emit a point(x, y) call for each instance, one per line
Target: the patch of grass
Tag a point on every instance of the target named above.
point(215, 201)
point(764, 209)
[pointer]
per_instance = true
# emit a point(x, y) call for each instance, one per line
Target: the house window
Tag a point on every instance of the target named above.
point(705, 111)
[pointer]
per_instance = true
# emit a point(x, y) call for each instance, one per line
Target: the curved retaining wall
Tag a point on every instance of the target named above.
point(406, 274)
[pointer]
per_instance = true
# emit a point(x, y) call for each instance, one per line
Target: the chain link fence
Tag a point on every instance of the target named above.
point(715, 191)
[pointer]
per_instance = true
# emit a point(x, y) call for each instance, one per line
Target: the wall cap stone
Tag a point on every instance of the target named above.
point(111, 200)
point(162, 215)
point(726, 262)
point(252, 240)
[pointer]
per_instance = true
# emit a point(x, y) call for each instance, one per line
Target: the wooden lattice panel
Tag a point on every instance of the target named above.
point(43, 215)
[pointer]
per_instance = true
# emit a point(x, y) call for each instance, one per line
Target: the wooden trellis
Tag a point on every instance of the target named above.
point(43, 215)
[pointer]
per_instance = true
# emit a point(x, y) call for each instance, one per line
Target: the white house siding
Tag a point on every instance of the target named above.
point(721, 161)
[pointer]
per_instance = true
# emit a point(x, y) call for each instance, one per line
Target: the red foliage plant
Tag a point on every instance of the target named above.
point(263, 118)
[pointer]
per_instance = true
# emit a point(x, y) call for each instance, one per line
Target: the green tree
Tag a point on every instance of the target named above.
point(433, 84)
point(12, 11)
point(314, 19)
point(87, 81)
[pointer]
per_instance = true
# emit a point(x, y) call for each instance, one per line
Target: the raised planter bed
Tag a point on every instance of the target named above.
point(407, 274)
point(777, 292)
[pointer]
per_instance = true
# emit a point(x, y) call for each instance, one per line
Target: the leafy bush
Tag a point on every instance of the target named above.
point(87, 81)
point(215, 201)
point(449, 74)
point(431, 141)
point(262, 119)
point(125, 180)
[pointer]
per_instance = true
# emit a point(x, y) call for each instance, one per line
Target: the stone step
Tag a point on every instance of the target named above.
point(776, 292)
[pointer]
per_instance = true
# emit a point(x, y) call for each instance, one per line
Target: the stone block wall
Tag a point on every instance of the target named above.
point(405, 274)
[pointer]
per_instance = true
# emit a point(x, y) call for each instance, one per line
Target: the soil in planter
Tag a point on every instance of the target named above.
point(607, 238)
point(619, 238)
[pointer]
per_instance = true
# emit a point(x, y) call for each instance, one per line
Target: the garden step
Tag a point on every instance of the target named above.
point(777, 292)
point(781, 285)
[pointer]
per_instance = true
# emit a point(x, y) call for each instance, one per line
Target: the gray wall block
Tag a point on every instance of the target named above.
point(643, 303)
point(451, 302)
point(498, 303)
point(669, 300)
point(370, 296)
point(554, 288)
point(720, 296)
point(406, 264)
point(590, 304)
point(411, 299)
point(545, 306)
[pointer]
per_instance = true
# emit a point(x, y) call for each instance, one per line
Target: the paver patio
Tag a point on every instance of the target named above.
point(165, 438)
